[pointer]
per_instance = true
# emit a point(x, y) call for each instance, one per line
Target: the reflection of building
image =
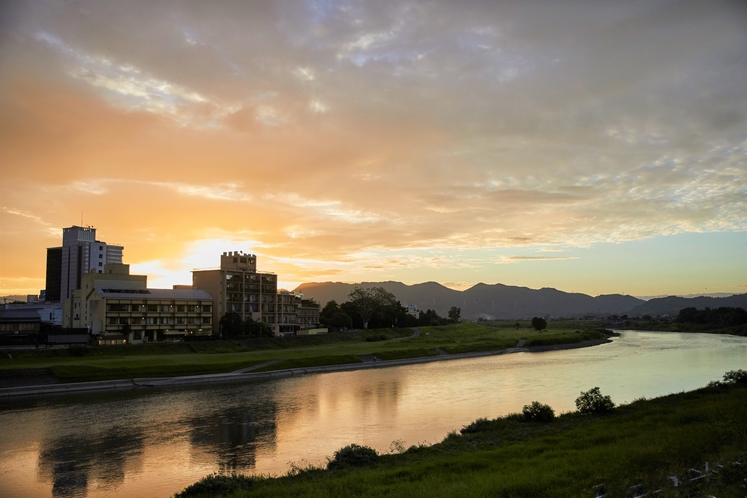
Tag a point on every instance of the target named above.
point(117, 307)
point(80, 253)
point(238, 287)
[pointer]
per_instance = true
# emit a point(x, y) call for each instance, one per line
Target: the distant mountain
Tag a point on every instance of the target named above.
point(483, 300)
point(672, 305)
point(511, 302)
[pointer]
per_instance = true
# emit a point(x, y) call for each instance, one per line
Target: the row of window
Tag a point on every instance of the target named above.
point(12, 327)
point(163, 320)
point(162, 308)
point(250, 277)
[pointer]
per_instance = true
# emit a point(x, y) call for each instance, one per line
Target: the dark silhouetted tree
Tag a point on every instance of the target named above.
point(539, 323)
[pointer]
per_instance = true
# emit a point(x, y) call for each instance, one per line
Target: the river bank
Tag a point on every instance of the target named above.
point(245, 374)
point(685, 444)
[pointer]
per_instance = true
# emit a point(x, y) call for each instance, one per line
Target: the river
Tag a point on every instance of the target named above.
point(154, 442)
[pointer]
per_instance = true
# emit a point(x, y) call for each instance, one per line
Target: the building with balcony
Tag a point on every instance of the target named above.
point(117, 308)
point(238, 287)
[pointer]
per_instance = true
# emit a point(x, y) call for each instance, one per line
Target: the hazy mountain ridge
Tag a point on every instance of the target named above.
point(512, 302)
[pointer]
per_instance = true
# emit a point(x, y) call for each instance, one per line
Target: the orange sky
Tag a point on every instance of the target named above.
point(551, 144)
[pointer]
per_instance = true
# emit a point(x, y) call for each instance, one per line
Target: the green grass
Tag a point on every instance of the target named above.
point(641, 444)
point(400, 354)
point(194, 358)
point(316, 361)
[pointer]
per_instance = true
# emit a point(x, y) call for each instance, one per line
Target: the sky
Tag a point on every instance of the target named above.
point(590, 146)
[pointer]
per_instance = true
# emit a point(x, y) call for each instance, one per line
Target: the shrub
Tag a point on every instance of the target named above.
point(353, 455)
point(593, 402)
point(538, 412)
point(736, 377)
point(479, 425)
point(218, 485)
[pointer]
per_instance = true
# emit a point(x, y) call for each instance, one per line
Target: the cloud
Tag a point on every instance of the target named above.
point(341, 131)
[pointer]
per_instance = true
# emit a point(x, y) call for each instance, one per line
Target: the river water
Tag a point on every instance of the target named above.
point(153, 443)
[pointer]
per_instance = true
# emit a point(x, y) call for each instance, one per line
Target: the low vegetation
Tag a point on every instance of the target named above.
point(89, 363)
point(686, 444)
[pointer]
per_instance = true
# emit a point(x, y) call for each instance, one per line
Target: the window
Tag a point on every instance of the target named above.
point(164, 308)
point(152, 320)
point(101, 264)
point(180, 308)
point(164, 320)
point(206, 308)
point(152, 307)
point(123, 320)
point(117, 307)
point(205, 319)
point(101, 256)
point(180, 320)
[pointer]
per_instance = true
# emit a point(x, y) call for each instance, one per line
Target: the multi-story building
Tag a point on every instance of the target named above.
point(117, 307)
point(238, 287)
point(80, 254)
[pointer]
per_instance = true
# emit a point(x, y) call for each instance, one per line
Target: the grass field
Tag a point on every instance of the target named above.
point(635, 450)
point(163, 360)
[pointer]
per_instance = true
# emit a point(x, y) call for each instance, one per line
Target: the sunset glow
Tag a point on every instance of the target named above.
point(591, 147)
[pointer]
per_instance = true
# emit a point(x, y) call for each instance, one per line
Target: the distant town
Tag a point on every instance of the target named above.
point(90, 297)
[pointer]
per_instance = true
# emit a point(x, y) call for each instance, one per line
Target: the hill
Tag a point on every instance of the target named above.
point(498, 301)
point(483, 300)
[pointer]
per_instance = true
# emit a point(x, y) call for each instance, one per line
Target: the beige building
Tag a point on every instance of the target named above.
point(238, 287)
point(117, 308)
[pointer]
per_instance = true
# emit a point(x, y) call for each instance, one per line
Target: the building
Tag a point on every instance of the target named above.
point(238, 287)
point(19, 325)
point(118, 308)
point(80, 254)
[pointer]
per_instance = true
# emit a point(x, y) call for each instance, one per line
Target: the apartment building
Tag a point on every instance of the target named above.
point(238, 287)
point(79, 254)
point(118, 308)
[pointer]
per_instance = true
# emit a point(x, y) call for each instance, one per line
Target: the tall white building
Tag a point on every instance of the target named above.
point(80, 253)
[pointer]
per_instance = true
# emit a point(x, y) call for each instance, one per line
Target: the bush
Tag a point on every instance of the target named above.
point(538, 412)
point(479, 425)
point(593, 402)
point(736, 377)
point(353, 456)
point(218, 485)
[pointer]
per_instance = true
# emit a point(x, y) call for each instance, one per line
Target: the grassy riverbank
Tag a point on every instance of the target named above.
point(163, 360)
point(634, 450)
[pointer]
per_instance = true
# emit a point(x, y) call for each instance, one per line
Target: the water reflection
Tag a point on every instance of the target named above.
point(70, 463)
point(145, 443)
point(232, 435)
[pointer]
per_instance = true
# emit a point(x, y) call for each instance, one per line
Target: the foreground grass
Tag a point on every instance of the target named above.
point(163, 360)
point(638, 447)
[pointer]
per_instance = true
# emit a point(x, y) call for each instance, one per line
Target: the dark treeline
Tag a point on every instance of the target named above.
point(724, 317)
point(376, 308)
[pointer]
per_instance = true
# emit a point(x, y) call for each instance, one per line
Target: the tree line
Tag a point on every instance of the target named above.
point(375, 308)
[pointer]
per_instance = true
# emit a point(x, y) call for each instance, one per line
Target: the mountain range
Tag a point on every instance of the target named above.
point(500, 301)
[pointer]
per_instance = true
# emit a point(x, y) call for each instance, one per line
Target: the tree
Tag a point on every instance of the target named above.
point(538, 412)
point(340, 321)
point(368, 301)
point(455, 313)
point(329, 309)
point(255, 327)
point(539, 323)
point(593, 402)
point(231, 324)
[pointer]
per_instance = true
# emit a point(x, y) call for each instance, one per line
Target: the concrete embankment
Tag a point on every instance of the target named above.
point(245, 375)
